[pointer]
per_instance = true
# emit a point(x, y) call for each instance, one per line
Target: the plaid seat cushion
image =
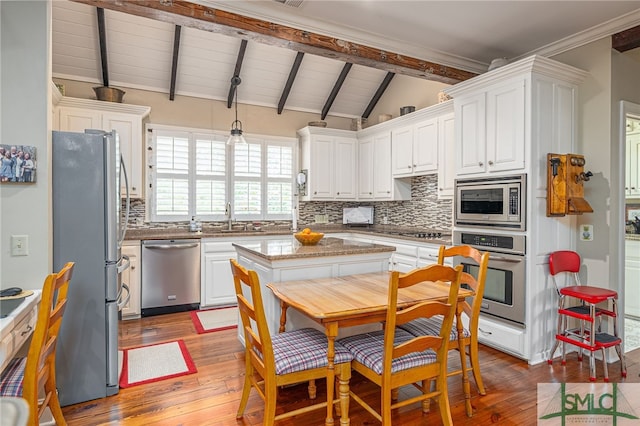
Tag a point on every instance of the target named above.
point(304, 349)
point(12, 378)
point(431, 327)
point(368, 348)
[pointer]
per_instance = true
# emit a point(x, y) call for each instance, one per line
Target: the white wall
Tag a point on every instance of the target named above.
point(613, 77)
point(594, 142)
point(25, 77)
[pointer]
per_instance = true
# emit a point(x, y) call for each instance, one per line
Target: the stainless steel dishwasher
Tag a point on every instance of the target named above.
point(170, 276)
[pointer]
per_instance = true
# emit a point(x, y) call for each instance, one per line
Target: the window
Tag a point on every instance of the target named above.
point(195, 173)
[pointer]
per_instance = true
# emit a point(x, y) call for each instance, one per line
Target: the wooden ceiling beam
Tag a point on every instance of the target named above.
point(102, 37)
point(236, 72)
point(626, 40)
point(193, 15)
point(174, 61)
point(376, 97)
point(292, 76)
point(335, 90)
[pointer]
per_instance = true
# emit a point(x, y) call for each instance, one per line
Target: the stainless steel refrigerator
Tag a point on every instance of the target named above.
point(89, 224)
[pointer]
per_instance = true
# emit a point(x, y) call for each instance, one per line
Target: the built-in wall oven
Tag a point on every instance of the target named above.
point(504, 292)
point(491, 202)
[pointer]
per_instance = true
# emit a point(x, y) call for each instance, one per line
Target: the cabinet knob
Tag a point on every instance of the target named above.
point(388, 192)
point(414, 166)
point(439, 189)
point(337, 193)
point(480, 164)
point(490, 163)
point(133, 188)
point(315, 192)
point(371, 193)
point(409, 166)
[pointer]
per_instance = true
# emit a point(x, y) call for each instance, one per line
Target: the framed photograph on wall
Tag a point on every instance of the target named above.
point(17, 163)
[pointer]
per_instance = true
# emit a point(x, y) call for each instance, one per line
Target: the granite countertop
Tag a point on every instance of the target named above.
point(632, 237)
point(392, 231)
point(290, 248)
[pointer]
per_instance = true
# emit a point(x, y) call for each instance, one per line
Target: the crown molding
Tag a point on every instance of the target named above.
point(140, 110)
point(605, 29)
point(532, 64)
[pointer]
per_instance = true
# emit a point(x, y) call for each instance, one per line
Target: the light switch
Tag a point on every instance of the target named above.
point(19, 245)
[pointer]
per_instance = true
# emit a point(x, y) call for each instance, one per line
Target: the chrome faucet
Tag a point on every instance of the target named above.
point(227, 212)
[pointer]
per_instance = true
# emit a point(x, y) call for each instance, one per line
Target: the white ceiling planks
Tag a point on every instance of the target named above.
point(140, 52)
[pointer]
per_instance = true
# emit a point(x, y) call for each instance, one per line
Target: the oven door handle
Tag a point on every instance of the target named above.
point(504, 259)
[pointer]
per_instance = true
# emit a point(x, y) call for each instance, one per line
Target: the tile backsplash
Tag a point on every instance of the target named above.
point(424, 210)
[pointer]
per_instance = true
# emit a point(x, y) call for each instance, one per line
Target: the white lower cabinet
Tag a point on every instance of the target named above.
point(131, 277)
point(501, 336)
point(402, 263)
point(217, 280)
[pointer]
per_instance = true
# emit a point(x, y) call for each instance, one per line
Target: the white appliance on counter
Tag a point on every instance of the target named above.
point(357, 216)
point(88, 229)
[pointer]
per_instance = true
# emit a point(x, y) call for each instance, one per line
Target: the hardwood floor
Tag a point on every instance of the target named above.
point(211, 396)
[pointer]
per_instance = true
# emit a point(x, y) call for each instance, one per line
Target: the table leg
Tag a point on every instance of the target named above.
point(283, 316)
point(332, 333)
point(463, 361)
point(343, 389)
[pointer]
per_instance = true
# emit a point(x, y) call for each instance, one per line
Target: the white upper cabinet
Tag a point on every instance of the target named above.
point(508, 118)
point(491, 130)
point(375, 180)
point(446, 155)
point(425, 146)
point(346, 165)
point(330, 157)
point(76, 115)
point(415, 148)
point(506, 127)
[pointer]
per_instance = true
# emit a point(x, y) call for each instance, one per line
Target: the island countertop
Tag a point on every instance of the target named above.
point(289, 248)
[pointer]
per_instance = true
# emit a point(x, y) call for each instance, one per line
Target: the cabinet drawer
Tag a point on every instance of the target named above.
point(501, 336)
point(218, 247)
point(428, 254)
point(406, 250)
point(6, 350)
point(24, 329)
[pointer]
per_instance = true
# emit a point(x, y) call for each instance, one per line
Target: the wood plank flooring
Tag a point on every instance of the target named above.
point(211, 396)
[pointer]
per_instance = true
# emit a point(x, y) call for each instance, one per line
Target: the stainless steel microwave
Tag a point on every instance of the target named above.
point(491, 202)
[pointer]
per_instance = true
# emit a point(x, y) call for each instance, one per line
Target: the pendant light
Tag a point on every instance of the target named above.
point(236, 127)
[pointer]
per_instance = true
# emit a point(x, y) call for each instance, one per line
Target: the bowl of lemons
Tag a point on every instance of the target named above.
point(306, 237)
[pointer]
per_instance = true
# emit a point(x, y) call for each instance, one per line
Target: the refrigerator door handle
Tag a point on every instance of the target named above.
point(123, 302)
point(127, 202)
point(124, 264)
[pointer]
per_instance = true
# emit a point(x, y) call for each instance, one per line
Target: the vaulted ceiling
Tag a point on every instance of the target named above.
point(327, 57)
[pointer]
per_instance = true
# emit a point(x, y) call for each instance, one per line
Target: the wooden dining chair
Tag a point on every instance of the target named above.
point(393, 357)
point(25, 377)
point(289, 357)
point(471, 310)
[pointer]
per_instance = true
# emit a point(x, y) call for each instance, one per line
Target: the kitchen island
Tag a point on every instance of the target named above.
point(285, 259)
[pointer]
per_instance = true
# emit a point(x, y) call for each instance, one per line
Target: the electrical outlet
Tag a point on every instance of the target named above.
point(19, 245)
point(586, 232)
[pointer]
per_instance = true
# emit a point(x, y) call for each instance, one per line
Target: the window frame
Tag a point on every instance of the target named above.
point(192, 134)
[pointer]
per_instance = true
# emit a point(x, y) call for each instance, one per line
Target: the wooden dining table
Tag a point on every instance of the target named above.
point(348, 301)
